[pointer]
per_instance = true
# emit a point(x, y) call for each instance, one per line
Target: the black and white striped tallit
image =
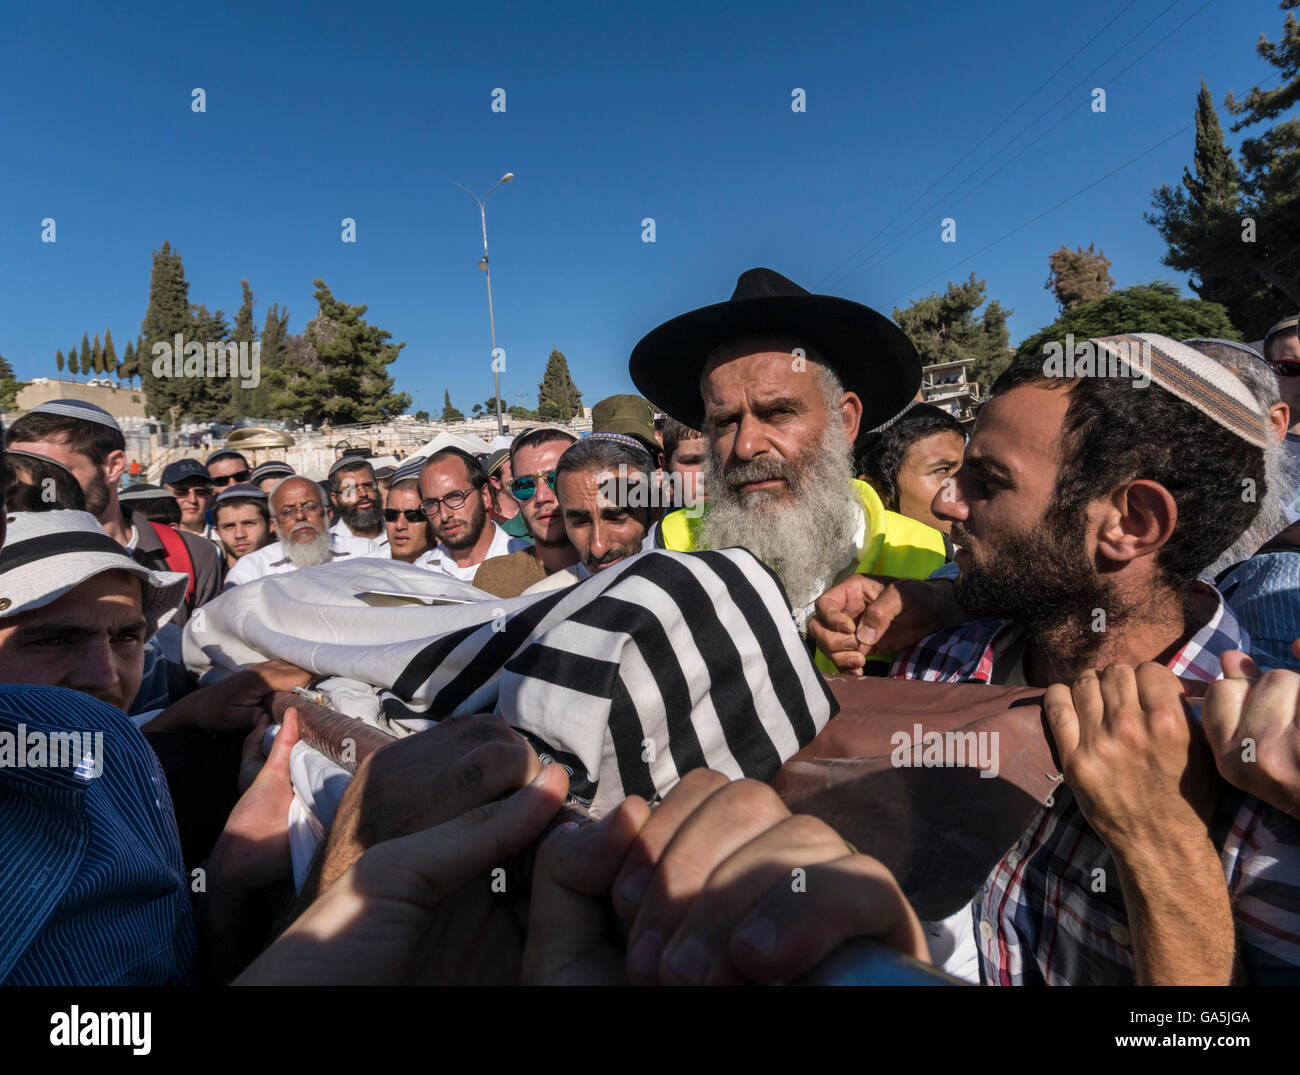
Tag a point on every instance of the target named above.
point(651, 668)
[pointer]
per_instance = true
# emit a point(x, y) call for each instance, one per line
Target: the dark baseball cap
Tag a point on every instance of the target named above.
point(185, 470)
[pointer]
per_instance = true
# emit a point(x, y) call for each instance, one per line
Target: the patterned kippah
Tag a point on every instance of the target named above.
point(627, 442)
point(885, 425)
point(1195, 378)
point(76, 408)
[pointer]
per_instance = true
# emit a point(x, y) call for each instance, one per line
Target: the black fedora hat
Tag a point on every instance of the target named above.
point(869, 353)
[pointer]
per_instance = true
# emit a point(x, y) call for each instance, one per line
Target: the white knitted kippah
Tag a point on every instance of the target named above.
point(1207, 385)
point(76, 408)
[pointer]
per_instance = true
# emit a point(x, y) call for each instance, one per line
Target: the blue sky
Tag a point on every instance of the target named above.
point(681, 112)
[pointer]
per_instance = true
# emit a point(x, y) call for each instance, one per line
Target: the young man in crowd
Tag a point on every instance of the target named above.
point(354, 492)
point(1084, 511)
point(88, 441)
point(409, 533)
point(684, 450)
point(297, 509)
point(456, 499)
point(605, 488)
point(533, 457)
point(189, 482)
point(227, 466)
point(505, 509)
point(1282, 353)
point(908, 459)
point(267, 474)
point(242, 521)
point(781, 381)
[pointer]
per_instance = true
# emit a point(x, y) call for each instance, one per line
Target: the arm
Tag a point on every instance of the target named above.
point(1147, 789)
point(232, 705)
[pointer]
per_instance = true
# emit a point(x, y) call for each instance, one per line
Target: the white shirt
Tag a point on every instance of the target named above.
point(270, 560)
point(439, 557)
point(345, 540)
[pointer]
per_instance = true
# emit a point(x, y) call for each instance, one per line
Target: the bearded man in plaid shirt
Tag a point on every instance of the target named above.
point(1085, 509)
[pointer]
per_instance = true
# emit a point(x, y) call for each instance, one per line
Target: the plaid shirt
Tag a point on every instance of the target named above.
point(1037, 918)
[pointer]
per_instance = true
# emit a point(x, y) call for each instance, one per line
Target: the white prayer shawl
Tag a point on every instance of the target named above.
point(658, 665)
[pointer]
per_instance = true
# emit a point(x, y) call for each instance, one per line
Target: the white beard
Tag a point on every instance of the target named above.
point(806, 541)
point(307, 553)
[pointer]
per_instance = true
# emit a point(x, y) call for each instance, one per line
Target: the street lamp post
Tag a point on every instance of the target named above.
point(492, 327)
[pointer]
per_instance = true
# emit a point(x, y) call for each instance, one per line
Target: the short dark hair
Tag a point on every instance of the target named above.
point(349, 468)
point(1280, 334)
point(535, 438)
point(1115, 432)
point(163, 509)
point(30, 479)
point(595, 452)
point(881, 453)
point(473, 468)
point(674, 433)
point(258, 502)
point(92, 439)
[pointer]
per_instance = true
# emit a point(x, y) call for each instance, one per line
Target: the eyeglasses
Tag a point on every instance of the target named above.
point(455, 499)
point(413, 515)
point(523, 487)
point(287, 512)
point(360, 487)
point(183, 492)
point(239, 476)
point(1286, 367)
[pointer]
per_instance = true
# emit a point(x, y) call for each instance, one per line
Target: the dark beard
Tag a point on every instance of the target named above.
point(470, 534)
point(364, 521)
point(97, 495)
point(1043, 582)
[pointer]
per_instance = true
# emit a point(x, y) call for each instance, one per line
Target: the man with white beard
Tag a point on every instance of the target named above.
point(297, 508)
point(781, 381)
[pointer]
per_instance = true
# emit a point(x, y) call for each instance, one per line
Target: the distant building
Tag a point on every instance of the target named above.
point(945, 386)
point(121, 403)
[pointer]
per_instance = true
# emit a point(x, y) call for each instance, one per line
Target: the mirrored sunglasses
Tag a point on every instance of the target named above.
point(524, 487)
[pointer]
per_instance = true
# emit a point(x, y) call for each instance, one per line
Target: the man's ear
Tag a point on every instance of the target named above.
point(851, 414)
point(485, 493)
point(1137, 520)
point(1279, 419)
point(114, 466)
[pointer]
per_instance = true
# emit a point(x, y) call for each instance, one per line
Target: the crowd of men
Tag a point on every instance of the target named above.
point(1126, 541)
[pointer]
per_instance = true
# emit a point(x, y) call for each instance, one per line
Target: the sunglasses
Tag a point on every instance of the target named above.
point(413, 515)
point(238, 477)
point(523, 488)
point(1286, 367)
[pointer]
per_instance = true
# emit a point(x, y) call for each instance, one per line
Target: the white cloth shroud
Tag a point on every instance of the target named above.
point(663, 663)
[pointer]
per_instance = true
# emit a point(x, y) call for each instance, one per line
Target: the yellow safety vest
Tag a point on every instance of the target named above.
point(897, 546)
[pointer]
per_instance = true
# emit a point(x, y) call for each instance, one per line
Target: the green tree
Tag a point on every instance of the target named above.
point(58, 359)
point(352, 382)
point(274, 343)
point(1078, 276)
point(86, 359)
point(947, 328)
point(558, 398)
point(110, 353)
point(523, 414)
point(241, 398)
point(450, 413)
point(97, 356)
point(1236, 227)
point(127, 369)
point(421, 416)
point(74, 367)
point(9, 385)
point(168, 314)
point(1154, 307)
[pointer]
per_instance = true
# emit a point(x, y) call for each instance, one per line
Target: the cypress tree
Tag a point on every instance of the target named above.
point(86, 359)
point(558, 398)
point(58, 359)
point(110, 353)
point(73, 366)
point(97, 356)
point(167, 315)
point(127, 369)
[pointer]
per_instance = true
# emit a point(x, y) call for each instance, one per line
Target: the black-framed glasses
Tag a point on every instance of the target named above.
point(455, 499)
point(1286, 367)
point(413, 515)
point(239, 477)
point(523, 487)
